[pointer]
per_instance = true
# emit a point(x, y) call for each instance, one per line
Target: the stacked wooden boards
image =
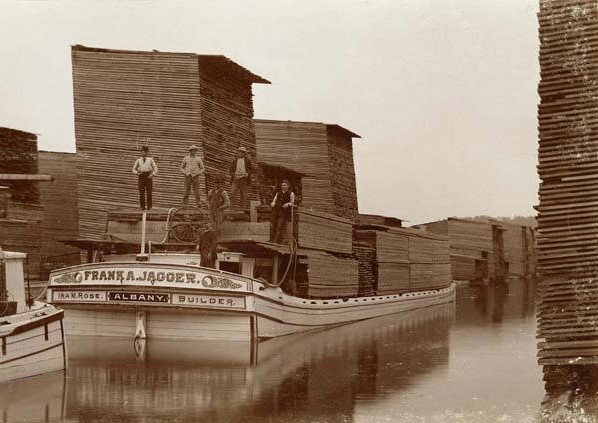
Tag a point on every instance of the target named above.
point(406, 259)
point(168, 101)
point(323, 152)
point(487, 249)
point(568, 170)
point(18, 155)
point(60, 218)
point(21, 229)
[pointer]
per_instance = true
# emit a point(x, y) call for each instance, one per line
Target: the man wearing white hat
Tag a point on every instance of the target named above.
point(240, 173)
point(192, 166)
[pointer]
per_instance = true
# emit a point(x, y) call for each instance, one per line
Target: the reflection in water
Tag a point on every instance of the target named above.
point(475, 363)
point(317, 376)
point(35, 399)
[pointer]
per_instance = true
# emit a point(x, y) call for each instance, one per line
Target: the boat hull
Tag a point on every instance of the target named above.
point(166, 301)
point(32, 343)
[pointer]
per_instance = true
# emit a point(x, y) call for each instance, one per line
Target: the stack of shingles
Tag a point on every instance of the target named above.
point(406, 259)
point(167, 101)
point(568, 169)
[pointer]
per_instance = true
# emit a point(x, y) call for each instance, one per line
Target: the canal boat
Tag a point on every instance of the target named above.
point(31, 332)
point(164, 291)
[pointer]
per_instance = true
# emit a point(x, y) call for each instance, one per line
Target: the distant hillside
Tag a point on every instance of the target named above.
point(514, 220)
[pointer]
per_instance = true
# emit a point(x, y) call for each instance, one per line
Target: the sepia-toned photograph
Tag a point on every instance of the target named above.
point(315, 211)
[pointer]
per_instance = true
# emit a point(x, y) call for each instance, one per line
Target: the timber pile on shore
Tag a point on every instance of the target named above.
point(568, 164)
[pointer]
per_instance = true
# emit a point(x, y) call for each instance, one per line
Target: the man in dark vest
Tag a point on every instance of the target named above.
point(282, 206)
point(218, 201)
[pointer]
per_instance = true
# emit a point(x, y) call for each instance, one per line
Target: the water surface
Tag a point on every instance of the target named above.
point(472, 361)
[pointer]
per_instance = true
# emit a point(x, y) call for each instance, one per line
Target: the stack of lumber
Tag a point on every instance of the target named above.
point(323, 231)
point(18, 155)
point(167, 101)
point(324, 153)
point(407, 259)
point(367, 268)
point(60, 219)
point(568, 164)
point(330, 276)
point(22, 231)
point(471, 246)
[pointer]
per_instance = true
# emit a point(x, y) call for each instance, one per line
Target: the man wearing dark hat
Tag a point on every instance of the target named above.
point(240, 173)
point(145, 168)
point(282, 206)
point(192, 166)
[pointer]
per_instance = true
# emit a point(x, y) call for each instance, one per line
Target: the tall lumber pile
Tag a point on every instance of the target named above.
point(567, 167)
point(406, 259)
point(18, 155)
point(60, 219)
point(21, 230)
point(323, 152)
point(127, 99)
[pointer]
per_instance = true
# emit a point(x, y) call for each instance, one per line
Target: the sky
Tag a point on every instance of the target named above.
point(442, 92)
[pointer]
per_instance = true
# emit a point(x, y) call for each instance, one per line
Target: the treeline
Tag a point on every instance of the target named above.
point(514, 220)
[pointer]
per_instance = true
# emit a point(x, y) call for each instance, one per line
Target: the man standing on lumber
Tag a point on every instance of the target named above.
point(218, 201)
point(282, 206)
point(240, 173)
point(192, 166)
point(145, 168)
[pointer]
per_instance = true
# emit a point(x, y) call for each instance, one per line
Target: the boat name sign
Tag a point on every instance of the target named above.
point(147, 277)
point(220, 301)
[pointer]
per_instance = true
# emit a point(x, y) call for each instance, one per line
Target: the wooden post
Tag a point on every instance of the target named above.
point(4, 193)
point(253, 210)
point(275, 264)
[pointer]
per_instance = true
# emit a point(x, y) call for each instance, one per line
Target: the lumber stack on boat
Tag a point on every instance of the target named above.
point(567, 167)
point(323, 231)
point(407, 259)
point(323, 152)
point(367, 268)
point(330, 276)
point(166, 101)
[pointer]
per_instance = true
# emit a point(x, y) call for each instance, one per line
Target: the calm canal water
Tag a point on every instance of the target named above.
point(473, 361)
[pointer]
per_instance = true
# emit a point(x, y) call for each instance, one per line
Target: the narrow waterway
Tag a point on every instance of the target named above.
point(473, 361)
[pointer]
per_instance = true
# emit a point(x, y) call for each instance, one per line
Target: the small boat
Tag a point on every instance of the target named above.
point(168, 295)
point(31, 332)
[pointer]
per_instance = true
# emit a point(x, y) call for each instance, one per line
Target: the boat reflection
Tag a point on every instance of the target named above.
point(35, 399)
point(317, 376)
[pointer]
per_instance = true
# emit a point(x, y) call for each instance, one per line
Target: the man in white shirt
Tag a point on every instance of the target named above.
point(240, 172)
point(192, 166)
point(145, 168)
